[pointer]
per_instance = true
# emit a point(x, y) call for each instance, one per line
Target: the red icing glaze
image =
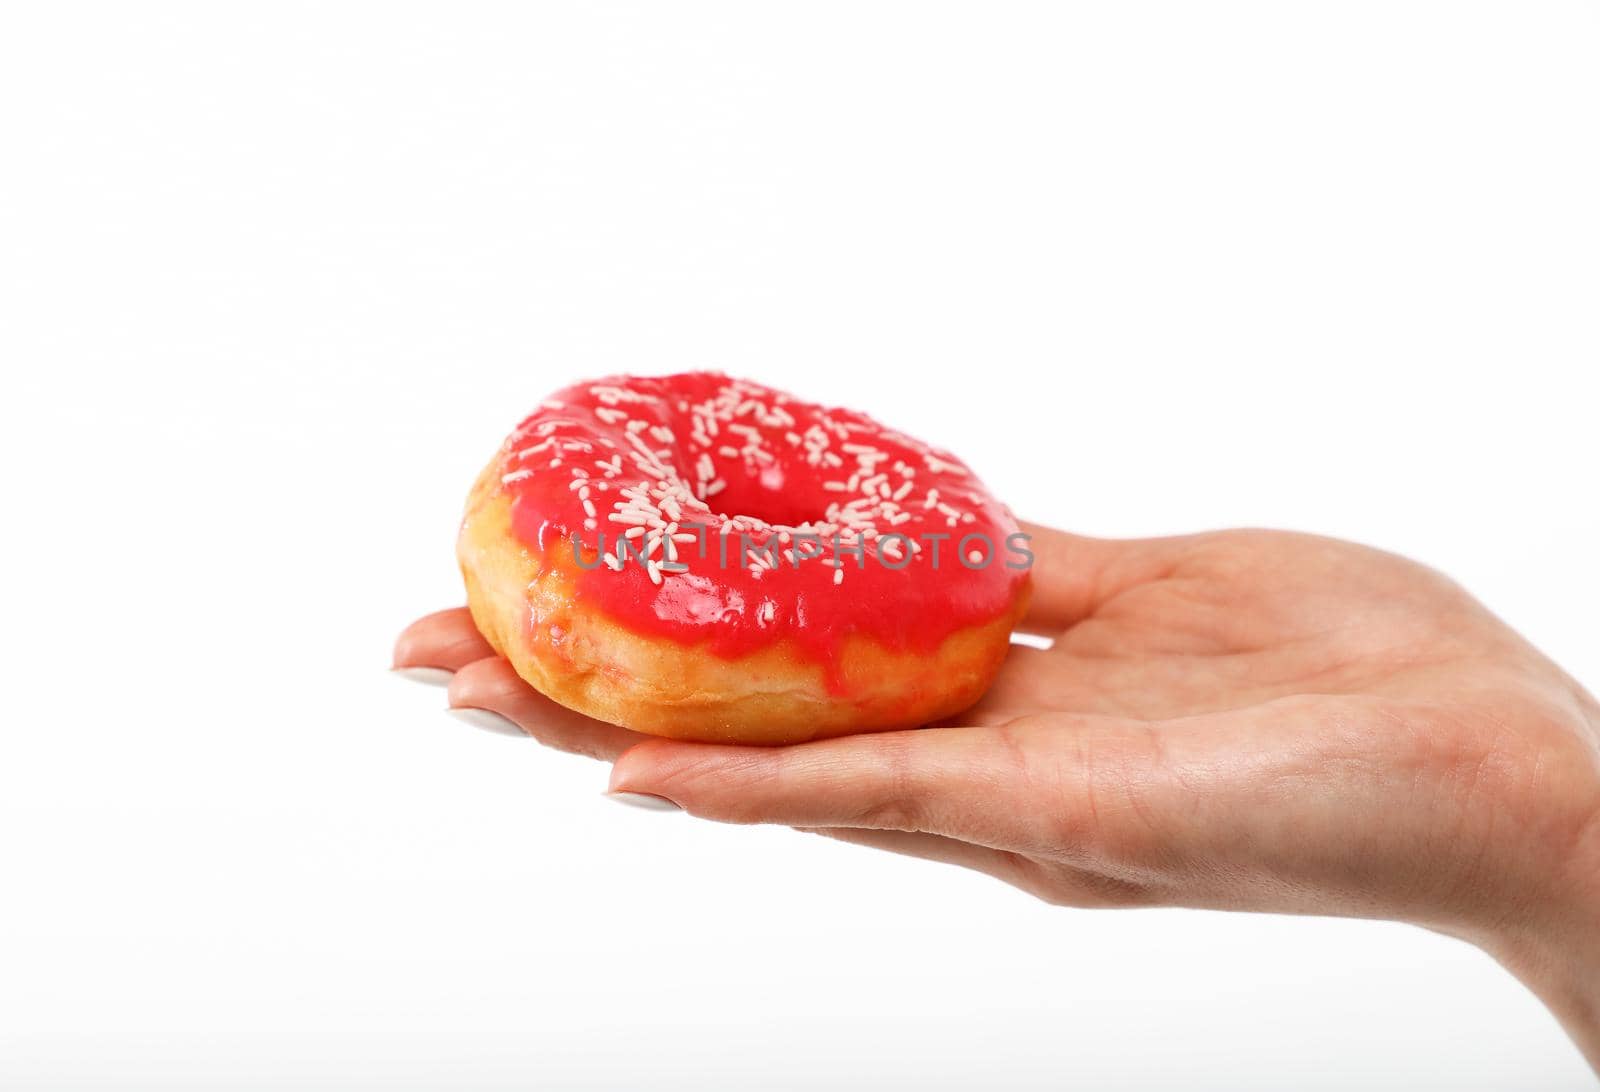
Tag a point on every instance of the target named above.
point(713, 451)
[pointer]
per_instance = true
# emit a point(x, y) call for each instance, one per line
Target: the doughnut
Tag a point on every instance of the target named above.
point(706, 558)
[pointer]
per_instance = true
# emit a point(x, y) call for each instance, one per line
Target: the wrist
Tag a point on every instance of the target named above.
point(1557, 956)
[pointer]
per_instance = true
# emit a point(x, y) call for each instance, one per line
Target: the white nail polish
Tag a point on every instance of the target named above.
point(428, 676)
point(643, 800)
point(489, 722)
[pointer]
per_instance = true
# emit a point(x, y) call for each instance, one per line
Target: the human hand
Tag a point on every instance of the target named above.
point(1244, 720)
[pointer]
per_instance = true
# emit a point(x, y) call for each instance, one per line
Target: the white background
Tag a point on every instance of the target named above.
point(276, 279)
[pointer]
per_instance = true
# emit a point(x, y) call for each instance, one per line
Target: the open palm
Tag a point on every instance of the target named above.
point(1244, 720)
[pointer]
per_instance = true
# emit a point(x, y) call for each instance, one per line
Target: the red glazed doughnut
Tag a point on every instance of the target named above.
point(705, 558)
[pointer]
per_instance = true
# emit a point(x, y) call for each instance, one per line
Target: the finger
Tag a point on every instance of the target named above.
point(1074, 574)
point(1122, 810)
point(933, 847)
point(492, 684)
point(446, 639)
point(1059, 885)
point(1300, 804)
point(999, 786)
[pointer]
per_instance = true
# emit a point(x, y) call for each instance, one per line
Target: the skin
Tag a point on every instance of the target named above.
point(1241, 720)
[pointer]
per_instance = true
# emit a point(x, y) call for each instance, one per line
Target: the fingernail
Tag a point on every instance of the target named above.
point(643, 800)
point(489, 722)
point(428, 676)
